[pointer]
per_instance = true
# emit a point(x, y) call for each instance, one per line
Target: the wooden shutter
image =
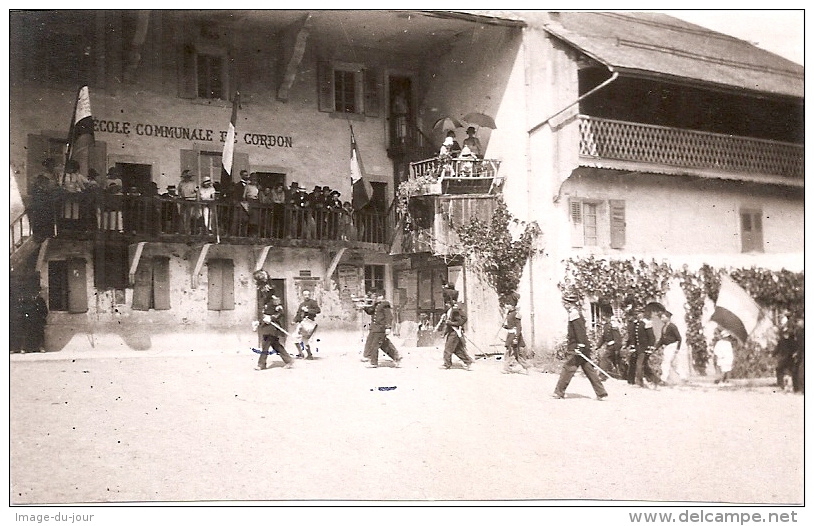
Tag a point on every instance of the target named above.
point(189, 161)
point(617, 223)
point(58, 285)
point(373, 92)
point(187, 81)
point(97, 158)
point(577, 229)
point(240, 161)
point(77, 286)
point(325, 86)
point(214, 284)
point(227, 284)
point(143, 284)
point(37, 152)
point(161, 283)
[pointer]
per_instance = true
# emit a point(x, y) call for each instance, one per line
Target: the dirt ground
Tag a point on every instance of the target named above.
point(181, 427)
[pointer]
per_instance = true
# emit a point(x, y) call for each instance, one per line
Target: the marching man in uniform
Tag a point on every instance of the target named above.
point(306, 324)
point(269, 326)
point(454, 320)
point(578, 345)
point(381, 323)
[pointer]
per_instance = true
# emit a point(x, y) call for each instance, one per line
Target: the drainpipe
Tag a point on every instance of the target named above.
point(577, 101)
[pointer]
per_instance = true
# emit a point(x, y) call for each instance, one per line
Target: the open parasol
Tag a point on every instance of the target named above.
point(446, 124)
point(480, 119)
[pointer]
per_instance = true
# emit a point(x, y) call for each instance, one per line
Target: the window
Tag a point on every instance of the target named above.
point(221, 288)
point(110, 265)
point(151, 289)
point(204, 72)
point(589, 224)
point(349, 89)
point(210, 76)
point(67, 286)
point(374, 277)
point(204, 163)
point(56, 47)
point(751, 231)
point(595, 225)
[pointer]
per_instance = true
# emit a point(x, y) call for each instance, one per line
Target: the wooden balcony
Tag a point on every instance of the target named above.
point(455, 176)
point(141, 218)
point(630, 146)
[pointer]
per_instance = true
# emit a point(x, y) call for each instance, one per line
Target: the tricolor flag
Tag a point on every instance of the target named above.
point(736, 311)
point(80, 137)
point(229, 145)
point(362, 190)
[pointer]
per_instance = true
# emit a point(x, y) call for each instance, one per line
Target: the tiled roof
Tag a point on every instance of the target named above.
point(654, 44)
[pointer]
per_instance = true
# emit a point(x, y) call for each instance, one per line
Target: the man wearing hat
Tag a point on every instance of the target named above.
point(641, 342)
point(473, 143)
point(670, 342)
point(270, 322)
point(454, 319)
point(577, 341)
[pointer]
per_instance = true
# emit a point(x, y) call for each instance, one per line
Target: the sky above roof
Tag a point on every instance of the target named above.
point(778, 31)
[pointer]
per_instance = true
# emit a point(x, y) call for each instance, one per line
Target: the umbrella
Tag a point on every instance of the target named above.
point(480, 119)
point(447, 123)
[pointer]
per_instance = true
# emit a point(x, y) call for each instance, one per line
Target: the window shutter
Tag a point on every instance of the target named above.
point(37, 152)
point(214, 284)
point(161, 283)
point(325, 87)
point(577, 231)
point(240, 161)
point(373, 91)
point(189, 161)
point(617, 223)
point(187, 81)
point(227, 284)
point(98, 158)
point(143, 284)
point(77, 286)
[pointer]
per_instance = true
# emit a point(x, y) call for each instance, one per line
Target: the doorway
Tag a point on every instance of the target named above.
point(136, 176)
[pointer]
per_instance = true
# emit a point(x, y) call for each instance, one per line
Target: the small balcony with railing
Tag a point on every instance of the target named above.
point(441, 194)
point(615, 144)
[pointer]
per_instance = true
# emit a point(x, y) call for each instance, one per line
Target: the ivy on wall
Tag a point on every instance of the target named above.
point(493, 251)
point(615, 280)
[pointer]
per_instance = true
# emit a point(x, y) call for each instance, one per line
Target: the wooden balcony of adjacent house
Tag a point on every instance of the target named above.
point(606, 143)
point(144, 218)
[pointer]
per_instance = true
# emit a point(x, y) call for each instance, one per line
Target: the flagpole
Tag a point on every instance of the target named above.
point(69, 149)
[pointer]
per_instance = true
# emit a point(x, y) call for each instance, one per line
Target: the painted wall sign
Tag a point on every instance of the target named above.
point(165, 131)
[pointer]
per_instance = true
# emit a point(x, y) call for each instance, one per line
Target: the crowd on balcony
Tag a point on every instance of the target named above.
point(455, 161)
point(244, 208)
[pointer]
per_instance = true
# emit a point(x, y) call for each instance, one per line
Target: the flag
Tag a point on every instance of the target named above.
point(229, 145)
point(362, 190)
point(736, 311)
point(80, 137)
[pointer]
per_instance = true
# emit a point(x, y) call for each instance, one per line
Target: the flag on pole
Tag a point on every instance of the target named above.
point(736, 311)
point(362, 190)
point(229, 145)
point(80, 137)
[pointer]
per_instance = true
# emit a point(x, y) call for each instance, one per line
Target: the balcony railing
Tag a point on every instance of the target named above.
point(456, 176)
point(18, 231)
point(629, 141)
point(172, 218)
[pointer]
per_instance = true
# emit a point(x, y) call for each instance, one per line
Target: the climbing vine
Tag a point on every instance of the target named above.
point(615, 281)
point(495, 253)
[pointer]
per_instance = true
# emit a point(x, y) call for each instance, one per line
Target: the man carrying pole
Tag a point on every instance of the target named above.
point(578, 349)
